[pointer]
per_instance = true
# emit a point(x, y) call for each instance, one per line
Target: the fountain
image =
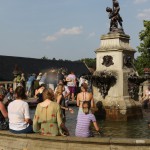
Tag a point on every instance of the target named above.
point(113, 79)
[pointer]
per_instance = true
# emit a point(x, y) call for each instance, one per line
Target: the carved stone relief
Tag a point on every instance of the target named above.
point(107, 60)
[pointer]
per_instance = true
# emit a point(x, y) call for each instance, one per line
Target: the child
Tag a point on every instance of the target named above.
point(84, 120)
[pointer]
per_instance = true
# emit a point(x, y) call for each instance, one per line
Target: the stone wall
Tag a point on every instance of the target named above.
point(10, 141)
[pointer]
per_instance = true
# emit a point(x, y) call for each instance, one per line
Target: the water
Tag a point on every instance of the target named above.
point(130, 129)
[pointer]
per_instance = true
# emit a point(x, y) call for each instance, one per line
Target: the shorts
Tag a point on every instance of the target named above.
point(28, 86)
point(71, 89)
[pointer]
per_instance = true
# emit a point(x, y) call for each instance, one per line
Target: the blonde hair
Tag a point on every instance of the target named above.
point(59, 90)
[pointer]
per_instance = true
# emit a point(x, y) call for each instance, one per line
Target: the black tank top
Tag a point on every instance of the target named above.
point(1, 117)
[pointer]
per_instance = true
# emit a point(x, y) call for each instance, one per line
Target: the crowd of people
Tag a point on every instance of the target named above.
point(50, 79)
point(49, 118)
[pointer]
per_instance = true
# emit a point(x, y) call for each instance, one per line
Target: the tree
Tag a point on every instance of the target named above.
point(143, 61)
point(90, 62)
point(45, 58)
point(54, 59)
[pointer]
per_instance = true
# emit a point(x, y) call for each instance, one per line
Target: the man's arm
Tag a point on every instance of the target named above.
point(3, 110)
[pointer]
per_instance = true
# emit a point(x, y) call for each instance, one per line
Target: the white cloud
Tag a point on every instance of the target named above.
point(140, 1)
point(71, 31)
point(64, 32)
point(50, 38)
point(145, 14)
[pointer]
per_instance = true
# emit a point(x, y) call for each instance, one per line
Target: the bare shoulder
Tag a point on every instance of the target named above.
point(79, 94)
point(91, 95)
point(59, 96)
point(1, 105)
point(88, 93)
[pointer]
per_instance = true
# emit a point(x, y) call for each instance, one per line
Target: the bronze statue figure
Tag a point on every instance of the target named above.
point(115, 17)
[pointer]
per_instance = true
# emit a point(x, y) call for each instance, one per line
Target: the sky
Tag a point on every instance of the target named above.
point(64, 29)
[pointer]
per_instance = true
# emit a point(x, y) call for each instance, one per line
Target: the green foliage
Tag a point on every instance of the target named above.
point(90, 62)
point(143, 61)
point(45, 58)
point(54, 59)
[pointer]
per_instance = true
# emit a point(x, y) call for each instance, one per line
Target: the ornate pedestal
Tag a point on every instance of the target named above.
point(115, 55)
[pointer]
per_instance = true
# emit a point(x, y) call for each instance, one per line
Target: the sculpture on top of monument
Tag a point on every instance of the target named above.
point(115, 17)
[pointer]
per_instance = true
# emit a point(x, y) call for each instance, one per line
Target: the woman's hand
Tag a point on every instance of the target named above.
point(71, 110)
point(29, 121)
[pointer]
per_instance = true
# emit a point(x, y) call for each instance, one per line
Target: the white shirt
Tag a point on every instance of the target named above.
point(66, 90)
point(18, 111)
point(72, 80)
point(82, 80)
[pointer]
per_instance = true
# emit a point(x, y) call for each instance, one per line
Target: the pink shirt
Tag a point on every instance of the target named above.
point(72, 81)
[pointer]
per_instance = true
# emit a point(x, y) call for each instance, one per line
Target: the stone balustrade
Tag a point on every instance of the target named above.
point(9, 141)
point(7, 84)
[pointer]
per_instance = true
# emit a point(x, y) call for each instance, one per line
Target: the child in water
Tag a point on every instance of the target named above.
point(84, 120)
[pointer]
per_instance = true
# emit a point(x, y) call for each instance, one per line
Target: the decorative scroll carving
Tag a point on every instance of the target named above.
point(127, 60)
point(107, 60)
point(104, 80)
point(134, 82)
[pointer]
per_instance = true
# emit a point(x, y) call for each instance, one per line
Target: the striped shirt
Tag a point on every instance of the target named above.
point(83, 124)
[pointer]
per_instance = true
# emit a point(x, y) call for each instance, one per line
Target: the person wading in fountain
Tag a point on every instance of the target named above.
point(84, 120)
point(71, 83)
point(84, 96)
point(61, 100)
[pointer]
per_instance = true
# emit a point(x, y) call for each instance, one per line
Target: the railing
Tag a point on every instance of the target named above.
point(7, 84)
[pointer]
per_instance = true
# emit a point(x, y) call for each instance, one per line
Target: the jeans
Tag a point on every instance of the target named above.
point(29, 129)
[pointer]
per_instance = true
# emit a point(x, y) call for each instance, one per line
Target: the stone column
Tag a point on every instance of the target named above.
point(118, 104)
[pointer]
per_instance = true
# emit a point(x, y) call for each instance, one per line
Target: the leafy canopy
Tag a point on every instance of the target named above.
point(143, 61)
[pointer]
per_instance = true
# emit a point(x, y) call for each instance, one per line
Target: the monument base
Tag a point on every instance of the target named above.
point(114, 58)
point(120, 109)
point(113, 114)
